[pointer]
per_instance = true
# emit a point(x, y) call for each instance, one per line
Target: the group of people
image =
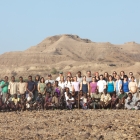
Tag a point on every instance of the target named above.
point(97, 91)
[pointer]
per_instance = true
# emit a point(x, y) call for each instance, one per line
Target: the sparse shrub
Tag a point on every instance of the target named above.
point(54, 71)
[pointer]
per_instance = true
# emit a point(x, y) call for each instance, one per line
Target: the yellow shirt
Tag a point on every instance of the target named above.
point(105, 98)
point(15, 100)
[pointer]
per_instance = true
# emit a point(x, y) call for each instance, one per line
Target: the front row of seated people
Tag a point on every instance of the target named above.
point(70, 101)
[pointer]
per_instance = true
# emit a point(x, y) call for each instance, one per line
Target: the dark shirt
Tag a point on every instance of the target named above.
point(31, 85)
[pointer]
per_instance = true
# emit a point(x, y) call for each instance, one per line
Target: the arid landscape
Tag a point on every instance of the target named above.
point(71, 125)
point(71, 53)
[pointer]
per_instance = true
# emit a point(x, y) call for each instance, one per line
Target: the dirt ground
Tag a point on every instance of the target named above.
point(71, 125)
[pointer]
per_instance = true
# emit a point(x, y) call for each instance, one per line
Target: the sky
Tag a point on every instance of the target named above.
point(25, 23)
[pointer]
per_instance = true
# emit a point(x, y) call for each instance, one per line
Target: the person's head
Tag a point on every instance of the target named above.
point(42, 80)
point(15, 96)
point(69, 74)
point(79, 73)
point(48, 84)
point(55, 94)
point(96, 91)
point(85, 95)
point(75, 79)
point(101, 77)
point(93, 79)
point(56, 83)
point(105, 91)
point(49, 76)
point(47, 94)
point(23, 96)
point(97, 74)
point(62, 78)
point(84, 78)
point(130, 95)
point(39, 95)
point(89, 73)
point(6, 78)
point(132, 78)
point(118, 77)
point(61, 73)
point(81, 92)
point(114, 73)
point(122, 73)
point(21, 79)
point(130, 74)
point(106, 74)
point(114, 94)
point(13, 79)
point(68, 78)
point(122, 91)
point(72, 79)
point(30, 94)
point(67, 89)
point(125, 78)
point(30, 78)
point(110, 77)
point(69, 95)
point(37, 78)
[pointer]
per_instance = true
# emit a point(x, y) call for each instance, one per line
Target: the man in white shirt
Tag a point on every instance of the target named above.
point(13, 87)
point(69, 100)
point(59, 77)
point(88, 77)
point(49, 80)
point(101, 84)
point(21, 87)
point(79, 77)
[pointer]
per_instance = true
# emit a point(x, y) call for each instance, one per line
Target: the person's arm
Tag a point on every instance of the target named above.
point(81, 86)
point(88, 88)
point(27, 88)
point(120, 85)
point(33, 89)
point(38, 88)
point(45, 89)
point(105, 85)
point(9, 88)
point(129, 86)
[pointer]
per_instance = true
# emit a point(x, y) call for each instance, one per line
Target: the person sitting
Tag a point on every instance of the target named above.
point(70, 101)
point(6, 105)
point(29, 102)
point(105, 100)
point(114, 101)
point(130, 102)
point(23, 102)
point(96, 99)
point(83, 101)
point(89, 102)
point(15, 103)
point(121, 99)
point(55, 100)
point(39, 102)
point(137, 100)
point(47, 102)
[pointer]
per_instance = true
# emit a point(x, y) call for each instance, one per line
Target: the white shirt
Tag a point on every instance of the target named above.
point(101, 85)
point(68, 85)
point(51, 81)
point(58, 79)
point(79, 79)
point(62, 84)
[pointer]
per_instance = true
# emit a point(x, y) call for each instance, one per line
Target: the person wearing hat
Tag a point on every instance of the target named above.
point(60, 75)
point(49, 79)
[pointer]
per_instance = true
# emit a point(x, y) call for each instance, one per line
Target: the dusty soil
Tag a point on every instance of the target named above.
point(71, 125)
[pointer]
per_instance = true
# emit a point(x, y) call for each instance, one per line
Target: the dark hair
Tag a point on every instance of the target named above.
point(38, 77)
point(29, 76)
point(79, 72)
point(43, 80)
point(125, 76)
point(20, 77)
point(101, 75)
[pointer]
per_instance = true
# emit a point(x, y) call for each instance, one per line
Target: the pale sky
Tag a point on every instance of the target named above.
point(25, 23)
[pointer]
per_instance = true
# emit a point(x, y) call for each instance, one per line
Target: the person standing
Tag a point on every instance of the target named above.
point(49, 80)
point(125, 84)
point(79, 77)
point(13, 87)
point(88, 77)
point(30, 87)
point(118, 85)
point(101, 84)
point(75, 87)
point(84, 85)
point(93, 86)
point(21, 87)
point(42, 87)
point(4, 88)
point(133, 85)
point(110, 86)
